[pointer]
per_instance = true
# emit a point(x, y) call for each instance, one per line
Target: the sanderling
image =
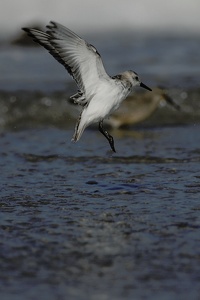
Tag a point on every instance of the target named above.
point(138, 107)
point(98, 93)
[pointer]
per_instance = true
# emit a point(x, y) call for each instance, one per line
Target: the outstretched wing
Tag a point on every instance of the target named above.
point(82, 60)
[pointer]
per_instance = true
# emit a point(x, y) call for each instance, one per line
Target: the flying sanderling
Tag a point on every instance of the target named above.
point(98, 93)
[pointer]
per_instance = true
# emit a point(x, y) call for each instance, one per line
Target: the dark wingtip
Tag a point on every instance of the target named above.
point(51, 25)
point(25, 29)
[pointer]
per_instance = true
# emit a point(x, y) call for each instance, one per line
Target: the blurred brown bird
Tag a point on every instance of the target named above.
point(138, 107)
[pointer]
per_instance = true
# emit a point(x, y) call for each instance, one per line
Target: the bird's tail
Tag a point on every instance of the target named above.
point(80, 127)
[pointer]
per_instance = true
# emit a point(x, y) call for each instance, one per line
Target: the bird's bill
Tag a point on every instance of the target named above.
point(171, 102)
point(144, 86)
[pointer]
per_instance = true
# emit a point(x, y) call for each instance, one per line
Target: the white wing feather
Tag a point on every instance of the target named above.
point(81, 59)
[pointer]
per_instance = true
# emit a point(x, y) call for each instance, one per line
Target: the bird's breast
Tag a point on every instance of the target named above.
point(106, 99)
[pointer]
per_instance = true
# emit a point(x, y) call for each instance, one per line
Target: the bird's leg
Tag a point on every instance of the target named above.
point(107, 135)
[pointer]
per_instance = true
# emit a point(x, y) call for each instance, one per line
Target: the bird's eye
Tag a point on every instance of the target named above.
point(136, 78)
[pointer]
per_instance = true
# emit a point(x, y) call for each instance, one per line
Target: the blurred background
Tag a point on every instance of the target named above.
point(149, 16)
point(158, 40)
point(78, 222)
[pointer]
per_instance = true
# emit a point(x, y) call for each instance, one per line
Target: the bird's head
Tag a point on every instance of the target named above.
point(135, 80)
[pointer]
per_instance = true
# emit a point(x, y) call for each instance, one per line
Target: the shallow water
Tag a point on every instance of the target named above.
point(78, 222)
